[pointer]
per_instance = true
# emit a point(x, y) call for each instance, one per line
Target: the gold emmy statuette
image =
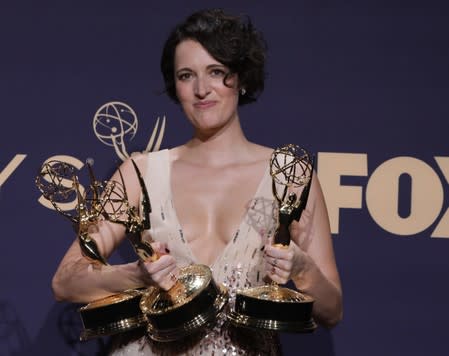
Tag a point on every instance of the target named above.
point(58, 183)
point(271, 306)
point(115, 313)
point(188, 307)
point(193, 302)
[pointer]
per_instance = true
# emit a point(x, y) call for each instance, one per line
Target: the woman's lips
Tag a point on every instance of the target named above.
point(204, 104)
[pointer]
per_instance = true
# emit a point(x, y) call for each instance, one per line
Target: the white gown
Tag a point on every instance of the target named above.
point(240, 265)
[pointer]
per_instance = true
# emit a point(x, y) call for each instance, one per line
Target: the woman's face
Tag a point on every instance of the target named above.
point(207, 102)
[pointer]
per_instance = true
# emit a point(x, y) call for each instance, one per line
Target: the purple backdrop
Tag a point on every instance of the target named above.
point(364, 84)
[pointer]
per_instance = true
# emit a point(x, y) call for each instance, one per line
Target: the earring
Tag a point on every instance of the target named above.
point(242, 91)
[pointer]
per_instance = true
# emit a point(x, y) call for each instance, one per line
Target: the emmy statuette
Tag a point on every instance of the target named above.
point(101, 201)
point(271, 306)
point(193, 302)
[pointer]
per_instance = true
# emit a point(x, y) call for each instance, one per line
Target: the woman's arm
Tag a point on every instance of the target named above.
point(309, 260)
point(79, 280)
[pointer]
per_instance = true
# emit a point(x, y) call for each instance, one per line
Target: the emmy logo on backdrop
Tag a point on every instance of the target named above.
point(116, 122)
point(271, 306)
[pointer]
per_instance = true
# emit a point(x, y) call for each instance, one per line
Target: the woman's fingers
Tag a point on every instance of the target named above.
point(160, 248)
point(280, 262)
point(162, 272)
point(166, 278)
point(278, 275)
point(163, 262)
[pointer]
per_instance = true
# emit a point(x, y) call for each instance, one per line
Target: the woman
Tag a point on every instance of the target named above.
point(210, 196)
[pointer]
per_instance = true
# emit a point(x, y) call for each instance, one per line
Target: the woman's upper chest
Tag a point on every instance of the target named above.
point(210, 202)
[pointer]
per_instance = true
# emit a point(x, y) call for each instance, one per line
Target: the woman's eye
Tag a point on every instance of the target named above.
point(217, 72)
point(184, 76)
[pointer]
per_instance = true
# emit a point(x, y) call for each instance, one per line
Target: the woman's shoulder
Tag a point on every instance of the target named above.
point(263, 149)
point(143, 160)
point(143, 157)
point(260, 152)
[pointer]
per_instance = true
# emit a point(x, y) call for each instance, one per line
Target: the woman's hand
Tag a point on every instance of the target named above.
point(284, 263)
point(162, 272)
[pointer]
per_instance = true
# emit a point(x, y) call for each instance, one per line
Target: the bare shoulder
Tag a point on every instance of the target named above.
point(177, 152)
point(140, 159)
point(130, 170)
point(260, 153)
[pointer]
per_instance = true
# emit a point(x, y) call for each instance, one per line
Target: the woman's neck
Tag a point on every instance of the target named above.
point(224, 147)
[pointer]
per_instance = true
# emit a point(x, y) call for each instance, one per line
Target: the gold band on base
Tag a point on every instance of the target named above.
point(189, 327)
point(113, 314)
point(190, 305)
point(241, 320)
point(273, 307)
point(114, 328)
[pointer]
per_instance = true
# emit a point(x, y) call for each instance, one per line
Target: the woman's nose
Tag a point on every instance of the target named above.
point(202, 87)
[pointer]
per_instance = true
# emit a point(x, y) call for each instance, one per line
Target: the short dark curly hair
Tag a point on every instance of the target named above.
point(231, 40)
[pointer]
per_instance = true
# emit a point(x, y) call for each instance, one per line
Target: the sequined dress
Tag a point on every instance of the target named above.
point(240, 265)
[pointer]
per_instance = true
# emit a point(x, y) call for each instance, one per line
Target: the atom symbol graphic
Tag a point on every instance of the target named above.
point(113, 122)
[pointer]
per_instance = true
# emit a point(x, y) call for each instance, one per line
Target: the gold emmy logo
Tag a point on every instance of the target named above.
point(116, 122)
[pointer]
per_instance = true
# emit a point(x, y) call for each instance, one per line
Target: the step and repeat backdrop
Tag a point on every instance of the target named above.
point(362, 84)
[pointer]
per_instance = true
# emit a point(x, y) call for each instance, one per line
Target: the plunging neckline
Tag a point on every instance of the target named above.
point(239, 226)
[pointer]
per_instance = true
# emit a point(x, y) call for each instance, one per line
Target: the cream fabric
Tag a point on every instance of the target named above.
point(239, 265)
